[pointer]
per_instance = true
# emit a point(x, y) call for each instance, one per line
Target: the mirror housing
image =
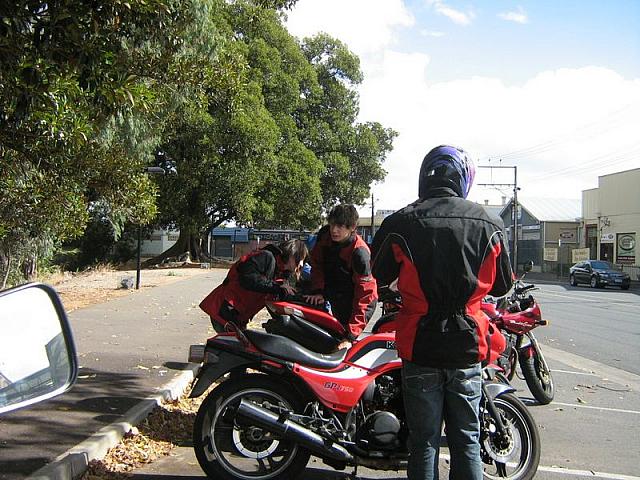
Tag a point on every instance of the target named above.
point(37, 354)
point(527, 267)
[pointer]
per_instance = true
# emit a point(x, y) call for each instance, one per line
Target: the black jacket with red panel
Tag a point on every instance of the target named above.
point(342, 273)
point(244, 291)
point(447, 254)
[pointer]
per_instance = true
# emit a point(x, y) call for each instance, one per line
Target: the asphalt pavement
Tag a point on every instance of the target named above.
point(132, 352)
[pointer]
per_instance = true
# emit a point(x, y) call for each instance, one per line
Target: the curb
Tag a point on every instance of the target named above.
point(75, 461)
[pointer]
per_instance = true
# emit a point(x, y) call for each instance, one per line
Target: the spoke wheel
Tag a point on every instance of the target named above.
point(538, 377)
point(515, 454)
point(231, 448)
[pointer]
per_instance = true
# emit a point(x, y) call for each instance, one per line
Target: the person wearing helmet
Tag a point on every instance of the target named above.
point(250, 280)
point(446, 254)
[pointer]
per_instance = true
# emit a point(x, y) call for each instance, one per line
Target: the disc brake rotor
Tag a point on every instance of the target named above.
point(253, 442)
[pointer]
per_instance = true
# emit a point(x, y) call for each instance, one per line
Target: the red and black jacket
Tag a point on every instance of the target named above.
point(342, 273)
point(244, 291)
point(447, 254)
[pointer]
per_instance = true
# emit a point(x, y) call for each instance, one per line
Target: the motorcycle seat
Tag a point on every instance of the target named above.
point(286, 349)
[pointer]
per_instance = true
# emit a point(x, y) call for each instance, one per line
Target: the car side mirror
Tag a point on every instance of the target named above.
point(37, 353)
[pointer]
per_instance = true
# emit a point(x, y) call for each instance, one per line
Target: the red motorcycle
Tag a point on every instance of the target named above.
point(280, 396)
point(516, 316)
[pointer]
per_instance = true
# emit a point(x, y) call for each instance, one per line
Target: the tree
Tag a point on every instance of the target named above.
point(235, 146)
point(81, 87)
point(352, 152)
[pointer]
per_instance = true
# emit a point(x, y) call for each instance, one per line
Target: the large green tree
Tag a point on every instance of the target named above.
point(82, 89)
point(274, 143)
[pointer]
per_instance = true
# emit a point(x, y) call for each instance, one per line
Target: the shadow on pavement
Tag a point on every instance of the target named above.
point(33, 437)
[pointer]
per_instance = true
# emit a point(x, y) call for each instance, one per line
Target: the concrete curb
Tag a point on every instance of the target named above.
point(74, 462)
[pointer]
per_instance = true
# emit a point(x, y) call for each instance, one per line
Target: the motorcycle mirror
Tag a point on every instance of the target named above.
point(527, 267)
point(37, 354)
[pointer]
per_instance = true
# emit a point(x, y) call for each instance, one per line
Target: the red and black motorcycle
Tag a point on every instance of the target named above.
point(283, 394)
point(516, 316)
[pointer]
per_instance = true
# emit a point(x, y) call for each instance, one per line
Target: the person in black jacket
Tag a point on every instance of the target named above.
point(341, 272)
point(250, 280)
point(446, 253)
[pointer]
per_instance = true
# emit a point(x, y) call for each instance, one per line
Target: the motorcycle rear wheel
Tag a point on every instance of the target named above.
point(516, 455)
point(538, 377)
point(229, 449)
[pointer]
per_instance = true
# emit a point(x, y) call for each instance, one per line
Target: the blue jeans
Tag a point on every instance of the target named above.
point(432, 395)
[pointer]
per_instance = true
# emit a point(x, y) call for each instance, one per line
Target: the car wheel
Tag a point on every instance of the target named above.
point(625, 287)
point(572, 280)
point(594, 282)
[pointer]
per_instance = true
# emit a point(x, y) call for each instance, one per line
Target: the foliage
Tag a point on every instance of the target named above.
point(79, 93)
point(252, 125)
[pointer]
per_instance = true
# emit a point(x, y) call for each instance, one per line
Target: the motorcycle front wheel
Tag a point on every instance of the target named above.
point(229, 448)
point(515, 453)
point(538, 377)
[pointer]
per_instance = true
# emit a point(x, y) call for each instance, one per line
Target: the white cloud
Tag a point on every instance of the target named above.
point(427, 33)
point(581, 123)
point(561, 128)
point(366, 26)
point(518, 17)
point(456, 16)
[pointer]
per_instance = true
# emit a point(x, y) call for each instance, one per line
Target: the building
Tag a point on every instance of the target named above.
point(548, 232)
point(364, 224)
point(611, 220)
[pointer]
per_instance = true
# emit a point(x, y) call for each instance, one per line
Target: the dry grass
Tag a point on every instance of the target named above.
point(168, 425)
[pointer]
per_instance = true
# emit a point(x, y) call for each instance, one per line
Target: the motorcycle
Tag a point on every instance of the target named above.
point(275, 399)
point(516, 316)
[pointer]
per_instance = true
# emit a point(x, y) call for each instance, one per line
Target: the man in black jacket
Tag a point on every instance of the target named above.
point(447, 253)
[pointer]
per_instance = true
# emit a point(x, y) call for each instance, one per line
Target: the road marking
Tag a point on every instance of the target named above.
point(590, 299)
point(570, 471)
point(574, 372)
point(618, 410)
point(588, 473)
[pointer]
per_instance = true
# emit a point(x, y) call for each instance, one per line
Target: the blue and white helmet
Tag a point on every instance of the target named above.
point(447, 166)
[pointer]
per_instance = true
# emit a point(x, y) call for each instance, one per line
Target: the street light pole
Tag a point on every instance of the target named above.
point(153, 171)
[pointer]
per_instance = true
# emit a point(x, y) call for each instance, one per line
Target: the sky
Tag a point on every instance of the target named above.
point(551, 87)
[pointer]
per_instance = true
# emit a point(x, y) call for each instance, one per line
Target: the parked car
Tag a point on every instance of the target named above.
point(599, 274)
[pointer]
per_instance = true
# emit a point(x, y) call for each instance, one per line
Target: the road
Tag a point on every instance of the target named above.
point(600, 324)
point(590, 431)
point(592, 426)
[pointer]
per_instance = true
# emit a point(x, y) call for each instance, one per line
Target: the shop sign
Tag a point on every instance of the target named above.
point(550, 254)
point(607, 238)
point(627, 248)
point(568, 237)
point(580, 254)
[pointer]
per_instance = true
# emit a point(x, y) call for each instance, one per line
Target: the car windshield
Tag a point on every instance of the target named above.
point(603, 265)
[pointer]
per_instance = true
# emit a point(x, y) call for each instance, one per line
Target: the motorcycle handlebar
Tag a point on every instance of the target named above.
point(521, 290)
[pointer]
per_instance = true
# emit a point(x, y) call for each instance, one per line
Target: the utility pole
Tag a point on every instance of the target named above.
point(514, 210)
point(373, 231)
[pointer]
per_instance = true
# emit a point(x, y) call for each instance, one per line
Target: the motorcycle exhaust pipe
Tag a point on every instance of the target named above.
point(293, 431)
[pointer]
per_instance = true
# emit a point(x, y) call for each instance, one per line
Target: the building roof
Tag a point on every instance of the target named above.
point(552, 209)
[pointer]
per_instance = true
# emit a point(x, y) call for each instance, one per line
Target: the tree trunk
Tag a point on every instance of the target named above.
point(30, 268)
point(5, 277)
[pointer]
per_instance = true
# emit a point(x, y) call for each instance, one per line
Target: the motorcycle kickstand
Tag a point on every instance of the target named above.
point(354, 475)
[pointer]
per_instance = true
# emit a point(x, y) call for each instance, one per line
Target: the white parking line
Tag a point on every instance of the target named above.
point(574, 372)
point(605, 409)
point(587, 473)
